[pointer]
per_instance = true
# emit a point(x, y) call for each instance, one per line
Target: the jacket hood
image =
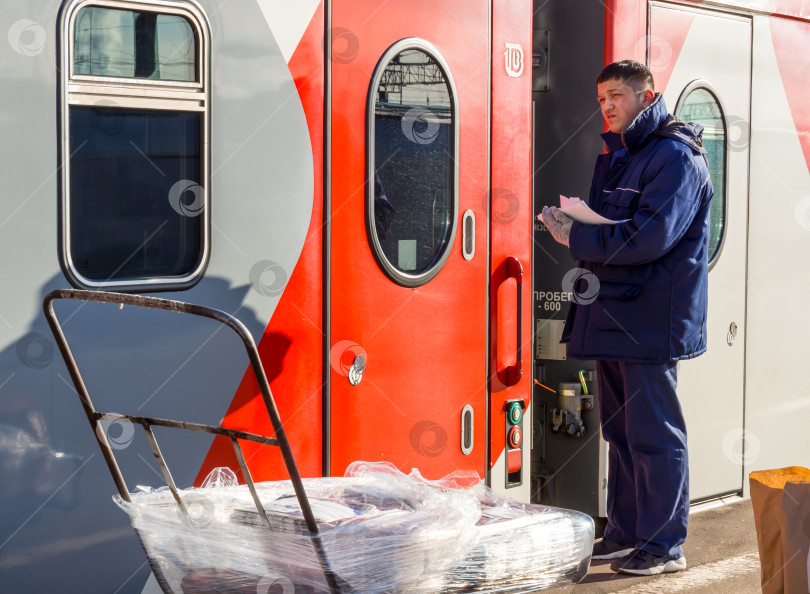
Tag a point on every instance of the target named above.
point(688, 133)
point(654, 120)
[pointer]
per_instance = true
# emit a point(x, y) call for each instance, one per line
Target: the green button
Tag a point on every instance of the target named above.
point(515, 413)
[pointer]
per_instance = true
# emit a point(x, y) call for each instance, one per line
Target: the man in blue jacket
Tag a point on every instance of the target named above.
point(642, 288)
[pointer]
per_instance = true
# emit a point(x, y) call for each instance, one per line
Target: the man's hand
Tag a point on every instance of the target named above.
point(558, 224)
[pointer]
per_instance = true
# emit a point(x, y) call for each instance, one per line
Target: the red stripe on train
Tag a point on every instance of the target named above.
point(293, 340)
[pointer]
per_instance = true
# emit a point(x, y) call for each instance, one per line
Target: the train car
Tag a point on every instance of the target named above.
point(351, 180)
point(357, 182)
point(736, 68)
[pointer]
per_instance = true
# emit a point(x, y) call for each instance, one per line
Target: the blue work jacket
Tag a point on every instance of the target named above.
point(641, 293)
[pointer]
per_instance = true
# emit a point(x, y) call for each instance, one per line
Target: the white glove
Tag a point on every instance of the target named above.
point(558, 223)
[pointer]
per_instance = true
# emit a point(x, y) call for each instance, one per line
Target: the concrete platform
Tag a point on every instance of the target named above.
point(721, 554)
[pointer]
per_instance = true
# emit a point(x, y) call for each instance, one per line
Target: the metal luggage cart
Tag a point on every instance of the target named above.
point(95, 417)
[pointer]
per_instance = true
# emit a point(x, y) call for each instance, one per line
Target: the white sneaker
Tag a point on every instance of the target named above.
point(643, 563)
point(610, 549)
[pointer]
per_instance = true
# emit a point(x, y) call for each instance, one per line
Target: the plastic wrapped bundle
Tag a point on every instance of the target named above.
point(524, 548)
point(519, 548)
point(381, 531)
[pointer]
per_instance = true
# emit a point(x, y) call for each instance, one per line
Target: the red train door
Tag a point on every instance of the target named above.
point(510, 382)
point(408, 223)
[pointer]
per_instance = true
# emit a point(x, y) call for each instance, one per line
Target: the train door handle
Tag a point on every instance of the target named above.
point(357, 369)
point(514, 369)
point(732, 333)
point(514, 269)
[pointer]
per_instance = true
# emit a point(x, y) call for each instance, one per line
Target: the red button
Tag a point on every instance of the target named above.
point(515, 436)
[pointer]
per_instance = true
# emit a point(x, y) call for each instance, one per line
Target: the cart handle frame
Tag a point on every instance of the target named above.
point(94, 417)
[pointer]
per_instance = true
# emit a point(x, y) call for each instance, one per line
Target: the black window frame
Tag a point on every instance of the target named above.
point(395, 274)
point(141, 95)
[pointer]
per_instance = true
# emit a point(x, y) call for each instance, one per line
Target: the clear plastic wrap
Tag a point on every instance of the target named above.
point(522, 548)
point(381, 530)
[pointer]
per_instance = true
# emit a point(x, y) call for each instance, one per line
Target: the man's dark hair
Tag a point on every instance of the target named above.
point(630, 72)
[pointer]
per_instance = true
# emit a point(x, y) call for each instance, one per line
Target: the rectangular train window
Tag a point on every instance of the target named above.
point(113, 42)
point(135, 153)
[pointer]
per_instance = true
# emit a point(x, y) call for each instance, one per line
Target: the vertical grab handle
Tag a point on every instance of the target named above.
point(509, 339)
point(514, 269)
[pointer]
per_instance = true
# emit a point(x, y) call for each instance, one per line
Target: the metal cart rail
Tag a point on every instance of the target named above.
point(94, 417)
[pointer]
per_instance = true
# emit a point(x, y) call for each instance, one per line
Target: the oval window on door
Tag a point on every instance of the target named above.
point(411, 196)
point(699, 104)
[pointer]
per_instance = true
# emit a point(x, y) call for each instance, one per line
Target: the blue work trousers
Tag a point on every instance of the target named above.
point(648, 472)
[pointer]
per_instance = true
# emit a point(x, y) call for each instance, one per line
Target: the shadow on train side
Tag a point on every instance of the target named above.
point(55, 488)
